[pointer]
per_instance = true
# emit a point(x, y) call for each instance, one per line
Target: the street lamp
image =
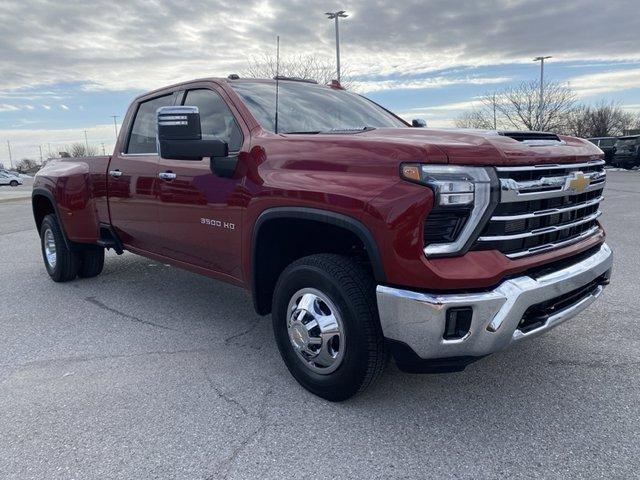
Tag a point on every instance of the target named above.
point(540, 106)
point(335, 16)
point(115, 126)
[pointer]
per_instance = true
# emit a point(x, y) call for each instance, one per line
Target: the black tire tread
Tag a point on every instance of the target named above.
point(67, 262)
point(91, 261)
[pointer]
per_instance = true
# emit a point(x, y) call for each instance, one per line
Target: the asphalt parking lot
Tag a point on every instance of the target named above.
point(11, 194)
point(148, 371)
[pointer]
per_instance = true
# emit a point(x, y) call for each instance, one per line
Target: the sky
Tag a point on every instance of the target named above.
point(67, 67)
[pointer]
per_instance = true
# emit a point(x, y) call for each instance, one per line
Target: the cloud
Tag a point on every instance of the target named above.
point(368, 86)
point(46, 107)
point(465, 105)
point(5, 107)
point(599, 83)
point(63, 106)
point(141, 45)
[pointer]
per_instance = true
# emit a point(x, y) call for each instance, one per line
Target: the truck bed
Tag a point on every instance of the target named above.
point(79, 186)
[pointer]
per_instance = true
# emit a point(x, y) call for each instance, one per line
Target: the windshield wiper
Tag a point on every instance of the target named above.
point(333, 130)
point(350, 129)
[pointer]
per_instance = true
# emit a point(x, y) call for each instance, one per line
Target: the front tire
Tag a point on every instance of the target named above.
point(325, 321)
point(13, 183)
point(61, 263)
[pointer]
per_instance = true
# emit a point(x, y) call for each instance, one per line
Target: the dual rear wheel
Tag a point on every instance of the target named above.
point(62, 263)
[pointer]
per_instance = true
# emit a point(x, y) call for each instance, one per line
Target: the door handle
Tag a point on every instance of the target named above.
point(115, 173)
point(167, 175)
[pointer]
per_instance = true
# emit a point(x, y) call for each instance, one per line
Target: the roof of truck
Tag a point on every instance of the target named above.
point(235, 79)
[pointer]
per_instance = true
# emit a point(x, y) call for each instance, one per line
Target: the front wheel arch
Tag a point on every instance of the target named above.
point(270, 254)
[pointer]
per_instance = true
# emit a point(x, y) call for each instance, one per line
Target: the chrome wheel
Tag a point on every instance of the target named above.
point(49, 248)
point(316, 331)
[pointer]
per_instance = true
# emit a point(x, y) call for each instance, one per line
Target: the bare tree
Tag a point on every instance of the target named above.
point(576, 122)
point(26, 165)
point(636, 123)
point(80, 150)
point(519, 108)
point(474, 119)
point(309, 67)
point(601, 120)
point(485, 116)
point(609, 120)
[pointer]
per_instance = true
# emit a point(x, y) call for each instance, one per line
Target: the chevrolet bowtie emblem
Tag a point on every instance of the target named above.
point(577, 182)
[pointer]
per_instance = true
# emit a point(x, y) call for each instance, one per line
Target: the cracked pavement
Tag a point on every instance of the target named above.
point(148, 371)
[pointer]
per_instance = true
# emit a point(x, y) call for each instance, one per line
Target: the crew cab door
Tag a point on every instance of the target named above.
point(133, 178)
point(199, 221)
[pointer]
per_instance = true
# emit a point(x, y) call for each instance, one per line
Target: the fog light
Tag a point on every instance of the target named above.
point(458, 323)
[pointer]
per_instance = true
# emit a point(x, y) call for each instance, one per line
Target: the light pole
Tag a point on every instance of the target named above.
point(86, 142)
point(336, 16)
point(10, 158)
point(115, 126)
point(541, 104)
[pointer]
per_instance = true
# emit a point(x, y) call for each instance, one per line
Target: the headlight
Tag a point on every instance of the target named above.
point(462, 196)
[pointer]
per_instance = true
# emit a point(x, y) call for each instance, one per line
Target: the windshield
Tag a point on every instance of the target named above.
point(628, 142)
point(311, 108)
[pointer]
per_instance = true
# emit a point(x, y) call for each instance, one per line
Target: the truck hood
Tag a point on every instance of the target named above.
point(489, 147)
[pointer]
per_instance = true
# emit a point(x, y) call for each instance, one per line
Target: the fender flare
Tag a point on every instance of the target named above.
point(43, 192)
point(323, 216)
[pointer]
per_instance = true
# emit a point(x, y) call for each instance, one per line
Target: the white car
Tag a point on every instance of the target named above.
point(8, 179)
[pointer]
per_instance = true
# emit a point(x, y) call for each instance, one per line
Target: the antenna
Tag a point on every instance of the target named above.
point(277, 78)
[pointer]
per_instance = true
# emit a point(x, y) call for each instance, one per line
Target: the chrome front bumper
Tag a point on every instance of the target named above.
point(418, 319)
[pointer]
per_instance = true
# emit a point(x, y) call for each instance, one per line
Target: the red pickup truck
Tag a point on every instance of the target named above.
point(361, 235)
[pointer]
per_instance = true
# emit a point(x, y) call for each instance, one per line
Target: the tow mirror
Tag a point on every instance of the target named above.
point(179, 137)
point(419, 123)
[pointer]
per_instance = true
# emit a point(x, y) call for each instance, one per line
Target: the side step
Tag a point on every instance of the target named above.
point(109, 239)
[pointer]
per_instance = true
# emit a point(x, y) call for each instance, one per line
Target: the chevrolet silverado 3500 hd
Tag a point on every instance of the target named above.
point(360, 235)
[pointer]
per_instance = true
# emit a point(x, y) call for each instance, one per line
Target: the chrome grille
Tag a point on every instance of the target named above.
point(544, 207)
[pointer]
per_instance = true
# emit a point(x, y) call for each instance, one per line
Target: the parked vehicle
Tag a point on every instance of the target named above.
point(359, 234)
point(627, 152)
point(7, 179)
point(606, 144)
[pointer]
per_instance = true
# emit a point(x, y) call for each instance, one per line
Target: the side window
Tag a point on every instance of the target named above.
point(143, 133)
point(216, 118)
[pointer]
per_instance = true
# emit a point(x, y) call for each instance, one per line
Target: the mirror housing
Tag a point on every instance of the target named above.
point(419, 123)
point(179, 136)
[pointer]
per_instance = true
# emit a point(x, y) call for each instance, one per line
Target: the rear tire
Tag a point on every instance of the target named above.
point(91, 261)
point(61, 263)
point(326, 325)
point(13, 183)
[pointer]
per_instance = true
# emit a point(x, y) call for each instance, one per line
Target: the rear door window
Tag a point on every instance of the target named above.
point(143, 132)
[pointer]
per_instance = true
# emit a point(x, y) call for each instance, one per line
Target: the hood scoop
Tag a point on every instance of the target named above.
point(534, 139)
